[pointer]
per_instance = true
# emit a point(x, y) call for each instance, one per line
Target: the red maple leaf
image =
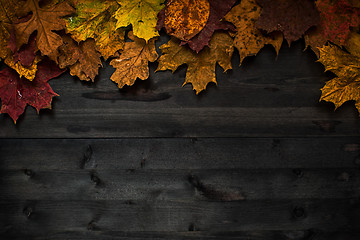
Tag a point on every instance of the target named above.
point(16, 93)
point(291, 17)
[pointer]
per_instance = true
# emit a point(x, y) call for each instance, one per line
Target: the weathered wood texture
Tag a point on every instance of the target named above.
point(266, 96)
point(257, 158)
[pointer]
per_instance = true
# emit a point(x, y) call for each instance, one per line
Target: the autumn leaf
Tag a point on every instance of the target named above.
point(8, 16)
point(28, 72)
point(248, 39)
point(218, 9)
point(337, 17)
point(26, 54)
point(82, 59)
point(201, 66)
point(141, 14)
point(94, 19)
point(44, 21)
point(346, 66)
point(133, 63)
point(16, 92)
point(186, 18)
point(291, 17)
point(24, 61)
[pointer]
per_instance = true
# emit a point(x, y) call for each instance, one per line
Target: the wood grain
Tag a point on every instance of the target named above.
point(179, 153)
point(255, 158)
point(265, 97)
point(181, 185)
point(193, 233)
point(45, 216)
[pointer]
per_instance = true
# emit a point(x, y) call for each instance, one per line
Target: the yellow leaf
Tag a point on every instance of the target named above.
point(133, 62)
point(201, 66)
point(248, 39)
point(346, 86)
point(141, 14)
point(93, 19)
point(27, 72)
point(186, 18)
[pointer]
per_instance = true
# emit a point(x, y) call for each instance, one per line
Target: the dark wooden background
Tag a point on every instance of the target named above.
point(257, 157)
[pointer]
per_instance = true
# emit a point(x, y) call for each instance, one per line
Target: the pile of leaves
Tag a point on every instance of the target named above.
point(41, 39)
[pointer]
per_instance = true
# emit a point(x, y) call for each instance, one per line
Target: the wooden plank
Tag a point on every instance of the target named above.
point(312, 234)
point(179, 153)
point(181, 185)
point(177, 122)
point(262, 98)
point(46, 216)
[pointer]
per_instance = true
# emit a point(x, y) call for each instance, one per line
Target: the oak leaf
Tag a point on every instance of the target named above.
point(337, 17)
point(291, 17)
point(248, 39)
point(44, 21)
point(218, 9)
point(82, 59)
point(141, 14)
point(133, 62)
point(201, 66)
point(94, 19)
point(16, 92)
point(346, 66)
point(8, 16)
point(186, 18)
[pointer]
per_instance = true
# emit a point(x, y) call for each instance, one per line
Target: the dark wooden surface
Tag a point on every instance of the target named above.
point(256, 158)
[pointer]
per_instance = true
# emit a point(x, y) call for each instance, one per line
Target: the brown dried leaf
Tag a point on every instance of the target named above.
point(133, 63)
point(292, 17)
point(248, 39)
point(201, 66)
point(44, 21)
point(82, 59)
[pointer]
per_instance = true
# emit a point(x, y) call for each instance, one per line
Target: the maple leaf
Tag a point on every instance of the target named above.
point(44, 21)
point(201, 66)
point(186, 18)
point(141, 14)
point(336, 19)
point(16, 92)
point(133, 62)
point(218, 9)
point(292, 17)
point(346, 86)
point(8, 16)
point(248, 39)
point(82, 59)
point(93, 19)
